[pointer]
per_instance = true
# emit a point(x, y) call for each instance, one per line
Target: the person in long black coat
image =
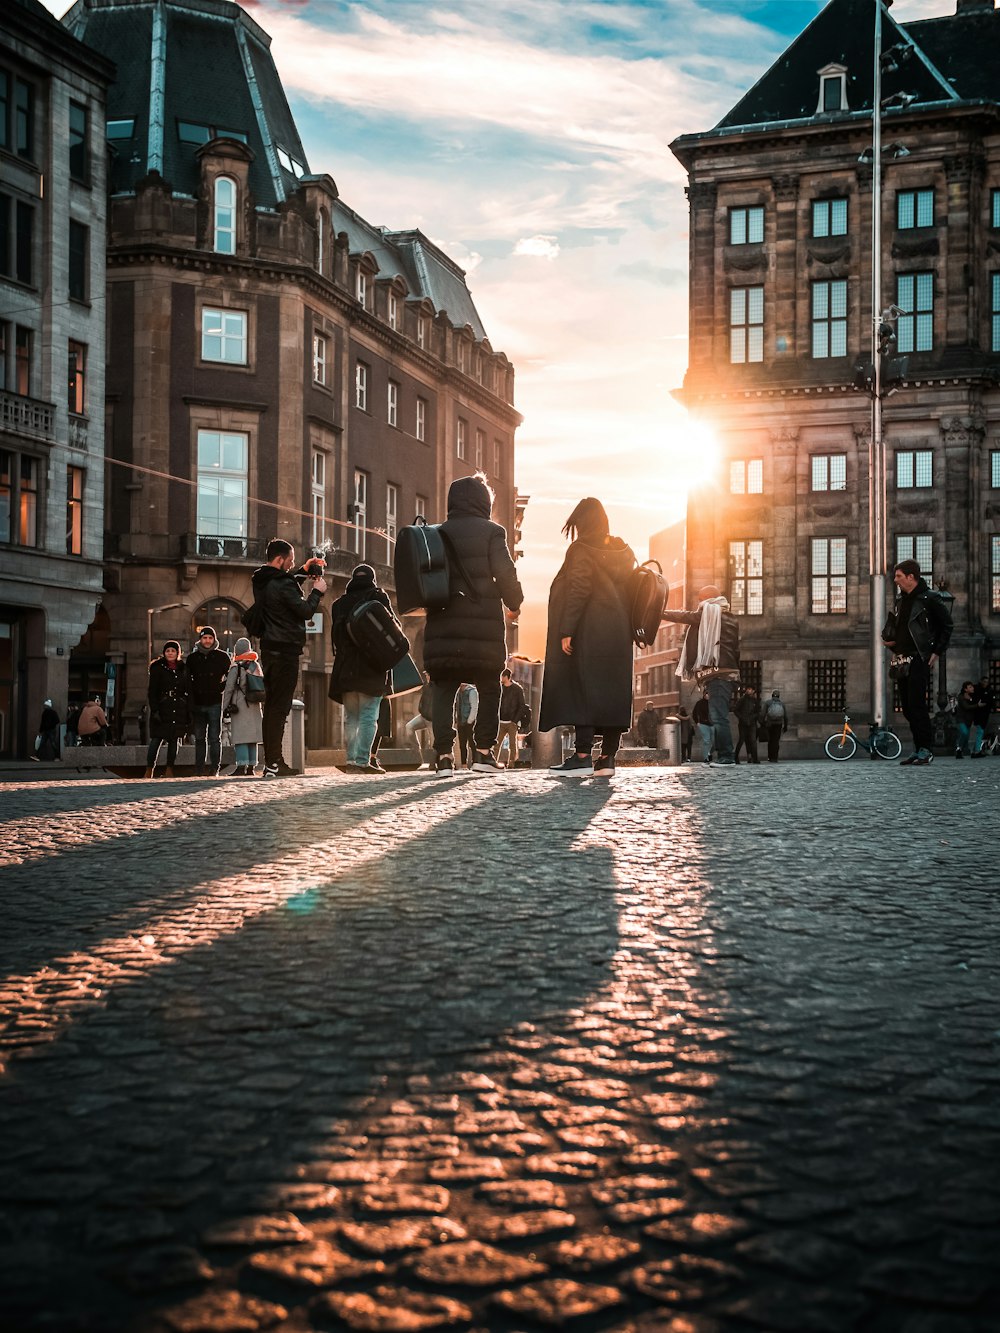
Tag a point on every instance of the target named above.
point(169, 714)
point(354, 682)
point(587, 682)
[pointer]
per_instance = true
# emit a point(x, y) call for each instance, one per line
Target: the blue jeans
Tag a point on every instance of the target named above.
point(707, 735)
point(207, 718)
point(360, 724)
point(246, 755)
point(720, 694)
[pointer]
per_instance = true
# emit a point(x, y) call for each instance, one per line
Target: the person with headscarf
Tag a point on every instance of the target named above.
point(711, 657)
point(587, 681)
point(47, 740)
point(169, 717)
point(354, 681)
point(246, 727)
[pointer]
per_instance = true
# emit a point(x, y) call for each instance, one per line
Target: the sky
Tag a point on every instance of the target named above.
point(530, 140)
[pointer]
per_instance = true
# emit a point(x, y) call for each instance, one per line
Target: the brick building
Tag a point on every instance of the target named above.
point(781, 231)
point(53, 199)
point(278, 365)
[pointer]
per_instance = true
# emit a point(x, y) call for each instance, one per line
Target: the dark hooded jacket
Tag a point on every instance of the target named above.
point(285, 610)
point(350, 670)
point(169, 714)
point(467, 639)
point(588, 602)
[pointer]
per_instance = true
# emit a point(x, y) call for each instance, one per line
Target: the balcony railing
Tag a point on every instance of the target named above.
point(26, 416)
point(198, 546)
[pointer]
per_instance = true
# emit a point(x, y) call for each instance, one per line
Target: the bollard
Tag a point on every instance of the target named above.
point(547, 748)
point(668, 739)
point(293, 740)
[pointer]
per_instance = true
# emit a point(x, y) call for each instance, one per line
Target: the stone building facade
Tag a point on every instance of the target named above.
point(278, 365)
point(53, 197)
point(781, 202)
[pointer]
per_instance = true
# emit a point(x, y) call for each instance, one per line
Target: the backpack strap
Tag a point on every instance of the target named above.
point(456, 561)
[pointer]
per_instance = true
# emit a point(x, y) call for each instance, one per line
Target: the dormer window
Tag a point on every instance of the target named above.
point(225, 216)
point(291, 164)
point(832, 89)
point(361, 292)
point(190, 132)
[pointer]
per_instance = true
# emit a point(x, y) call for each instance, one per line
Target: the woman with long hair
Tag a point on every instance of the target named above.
point(587, 683)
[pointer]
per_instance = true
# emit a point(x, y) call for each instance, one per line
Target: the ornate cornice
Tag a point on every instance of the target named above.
point(703, 194)
point(785, 187)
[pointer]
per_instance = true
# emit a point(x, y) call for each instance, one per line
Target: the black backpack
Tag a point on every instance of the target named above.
point(647, 592)
point(377, 635)
point(252, 618)
point(425, 564)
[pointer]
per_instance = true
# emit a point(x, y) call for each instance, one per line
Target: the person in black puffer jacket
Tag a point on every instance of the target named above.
point(466, 641)
point(354, 682)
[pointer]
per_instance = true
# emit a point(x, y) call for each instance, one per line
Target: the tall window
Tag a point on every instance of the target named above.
point(746, 225)
point(224, 336)
point(24, 342)
point(420, 426)
point(746, 476)
point(224, 222)
point(77, 379)
point(480, 457)
point(392, 403)
point(498, 459)
point(826, 685)
point(74, 510)
point(321, 358)
point(995, 468)
point(995, 310)
point(393, 311)
point(829, 472)
point(995, 573)
point(460, 433)
point(832, 92)
point(18, 499)
point(222, 491)
point(829, 318)
point(746, 578)
point(915, 295)
point(17, 115)
point(360, 512)
point(318, 491)
point(829, 576)
point(79, 143)
point(17, 224)
point(361, 291)
point(421, 331)
point(322, 227)
point(919, 547)
point(746, 324)
point(995, 208)
point(829, 217)
point(79, 247)
point(423, 506)
point(462, 355)
point(914, 468)
point(361, 386)
point(391, 520)
point(914, 208)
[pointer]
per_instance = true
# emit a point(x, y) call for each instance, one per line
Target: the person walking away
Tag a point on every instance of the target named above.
point(466, 712)
point(965, 718)
point(984, 701)
point(748, 720)
point(646, 726)
point(246, 723)
point(286, 607)
point(208, 667)
point(775, 719)
point(383, 732)
point(47, 740)
point(702, 719)
point(92, 724)
point(687, 733)
point(354, 682)
point(918, 631)
point(711, 656)
point(587, 680)
point(167, 698)
point(514, 714)
point(421, 723)
point(466, 640)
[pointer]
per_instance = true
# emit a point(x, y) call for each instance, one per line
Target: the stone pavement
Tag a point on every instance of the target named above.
point(695, 1051)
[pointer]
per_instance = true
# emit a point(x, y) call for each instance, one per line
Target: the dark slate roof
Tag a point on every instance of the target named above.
point(204, 46)
point(952, 58)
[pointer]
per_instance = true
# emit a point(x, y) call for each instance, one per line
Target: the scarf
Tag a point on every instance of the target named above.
point(709, 638)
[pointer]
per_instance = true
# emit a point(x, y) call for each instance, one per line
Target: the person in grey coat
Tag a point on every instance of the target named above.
point(246, 726)
point(587, 682)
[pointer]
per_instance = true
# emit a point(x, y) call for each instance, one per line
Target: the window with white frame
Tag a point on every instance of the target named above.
point(498, 459)
point(421, 331)
point(746, 225)
point(224, 336)
point(393, 311)
point(746, 577)
point(223, 458)
point(224, 220)
point(828, 568)
point(746, 325)
point(829, 318)
point(461, 430)
point(480, 457)
point(995, 573)
point(914, 469)
point(917, 546)
point(422, 506)
point(361, 386)
point(359, 509)
point(361, 290)
point(829, 217)
point(462, 354)
point(832, 90)
point(914, 208)
point(828, 472)
point(391, 520)
point(995, 312)
point(392, 403)
point(420, 421)
point(746, 476)
point(915, 296)
point(318, 490)
point(321, 358)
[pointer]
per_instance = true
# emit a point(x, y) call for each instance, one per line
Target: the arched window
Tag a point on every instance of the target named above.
point(225, 215)
point(224, 617)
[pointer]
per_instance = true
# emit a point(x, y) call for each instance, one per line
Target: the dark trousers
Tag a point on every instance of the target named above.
point(281, 673)
point(774, 731)
point(913, 696)
point(466, 741)
point(206, 720)
point(747, 737)
point(487, 722)
point(611, 738)
point(153, 752)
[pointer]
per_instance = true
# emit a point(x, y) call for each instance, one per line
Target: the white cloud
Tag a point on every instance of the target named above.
point(541, 247)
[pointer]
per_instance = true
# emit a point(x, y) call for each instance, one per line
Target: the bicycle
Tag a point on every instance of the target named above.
point(881, 744)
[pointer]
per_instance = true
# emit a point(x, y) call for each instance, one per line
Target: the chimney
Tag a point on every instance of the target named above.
point(974, 6)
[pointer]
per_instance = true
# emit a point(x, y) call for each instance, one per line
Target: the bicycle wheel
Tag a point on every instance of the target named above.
point(887, 745)
point(840, 747)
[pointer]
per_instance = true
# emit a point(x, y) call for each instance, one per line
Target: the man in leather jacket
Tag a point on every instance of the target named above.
point(919, 629)
point(711, 656)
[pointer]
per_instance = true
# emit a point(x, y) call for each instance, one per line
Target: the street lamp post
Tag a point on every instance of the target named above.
point(877, 503)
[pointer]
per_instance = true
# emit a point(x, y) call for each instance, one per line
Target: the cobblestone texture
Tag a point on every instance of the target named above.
point(692, 1052)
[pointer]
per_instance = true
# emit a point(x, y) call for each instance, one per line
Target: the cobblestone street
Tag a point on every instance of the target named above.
point(693, 1051)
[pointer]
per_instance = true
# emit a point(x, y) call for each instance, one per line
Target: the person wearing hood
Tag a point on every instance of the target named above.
point(587, 681)
point(918, 631)
point(92, 723)
point(207, 667)
point(466, 640)
point(169, 717)
point(285, 608)
point(354, 682)
point(47, 740)
point(711, 656)
point(244, 712)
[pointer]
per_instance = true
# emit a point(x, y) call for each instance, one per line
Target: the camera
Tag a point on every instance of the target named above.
point(314, 568)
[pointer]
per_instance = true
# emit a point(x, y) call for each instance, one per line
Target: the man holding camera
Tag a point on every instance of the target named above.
point(285, 608)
